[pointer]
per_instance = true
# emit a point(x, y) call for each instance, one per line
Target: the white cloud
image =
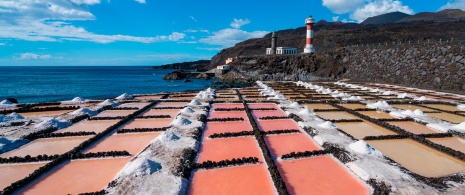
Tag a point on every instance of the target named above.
point(378, 7)
point(335, 18)
point(342, 6)
point(44, 20)
point(228, 37)
point(454, 4)
point(238, 23)
point(140, 1)
point(86, 2)
point(192, 17)
point(33, 56)
point(2, 44)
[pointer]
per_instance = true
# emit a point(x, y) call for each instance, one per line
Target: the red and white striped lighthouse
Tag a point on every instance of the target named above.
point(309, 45)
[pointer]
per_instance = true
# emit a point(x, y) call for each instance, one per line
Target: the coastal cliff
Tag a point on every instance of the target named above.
point(439, 66)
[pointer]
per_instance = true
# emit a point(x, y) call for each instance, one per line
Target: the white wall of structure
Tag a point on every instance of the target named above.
point(282, 50)
point(223, 67)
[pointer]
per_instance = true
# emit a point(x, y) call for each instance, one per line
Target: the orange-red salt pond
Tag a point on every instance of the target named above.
point(263, 105)
point(78, 176)
point(132, 105)
point(96, 126)
point(249, 179)
point(319, 175)
point(49, 146)
point(221, 105)
point(228, 148)
point(131, 142)
point(171, 104)
point(148, 123)
point(456, 143)
point(419, 158)
point(269, 125)
point(223, 127)
point(287, 143)
point(264, 113)
point(152, 112)
point(413, 127)
point(115, 113)
point(359, 130)
point(336, 115)
point(11, 173)
point(44, 113)
point(230, 114)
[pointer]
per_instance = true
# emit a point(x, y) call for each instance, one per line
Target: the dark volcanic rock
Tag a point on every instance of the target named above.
point(176, 75)
point(385, 18)
point(200, 65)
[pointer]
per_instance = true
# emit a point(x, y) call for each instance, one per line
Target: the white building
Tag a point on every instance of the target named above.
point(223, 67)
point(282, 50)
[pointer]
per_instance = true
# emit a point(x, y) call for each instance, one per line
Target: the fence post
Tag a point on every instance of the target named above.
point(440, 40)
point(452, 40)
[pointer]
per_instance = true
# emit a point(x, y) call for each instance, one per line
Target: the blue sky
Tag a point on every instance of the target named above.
point(154, 32)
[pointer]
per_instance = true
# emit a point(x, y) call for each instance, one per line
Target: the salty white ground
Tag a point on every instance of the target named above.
point(153, 170)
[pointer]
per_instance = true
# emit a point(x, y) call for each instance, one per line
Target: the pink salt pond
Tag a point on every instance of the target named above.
point(224, 127)
point(131, 142)
point(287, 143)
point(115, 113)
point(173, 113)
point(264, 113)
point(228, 148)
point(11, 173)
point(230, 114)
point(319, 175)
point(78, 176)
point(96, 126)
point(45, 113)
point(132, 105)
point(269, 125)
point(48, 146)
point(244, 180)
point(171, 104)
point(221, 105)
point(263, 105)
point(148, 123)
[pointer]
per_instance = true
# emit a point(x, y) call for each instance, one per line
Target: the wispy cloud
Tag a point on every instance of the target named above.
point(33, 56)
point(360, 10)
point(229, 36)
point(238, 23)
point(44, 20)
point(192, 18)
point(2, 44)
point(454, 4)
point(140, 1)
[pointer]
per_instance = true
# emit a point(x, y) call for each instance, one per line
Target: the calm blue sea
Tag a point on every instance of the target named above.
point(45, 84)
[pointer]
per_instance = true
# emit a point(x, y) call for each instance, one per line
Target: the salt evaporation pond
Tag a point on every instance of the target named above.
point(148, 123)
point(149, 97)
point(443, 107)
point(133, 105)
point(319, 175)
point(96, 126)
point(376, 114)
point(270, 125)
point(78, 176)
point(337, 115)
point(247, 180)
point(456, 143)
point(115, 113)
point(171, 104)
point(230, 114)
point(153, 112)
point(228, 148)
point(411, 107)
point(224, 127)
point(45, 113)
point(453, 118)
point(319, 106)
point(13, 172)
point(264, 113)
point(48, 146)
point(287, 143)
point(419, 158)
point(359, 130)
point(353, 106)
point(414, 127)
point(131, 142)
point(231, 105)
point(262, 105)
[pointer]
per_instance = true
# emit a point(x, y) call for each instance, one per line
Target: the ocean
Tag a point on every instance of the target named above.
point(46, 84)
